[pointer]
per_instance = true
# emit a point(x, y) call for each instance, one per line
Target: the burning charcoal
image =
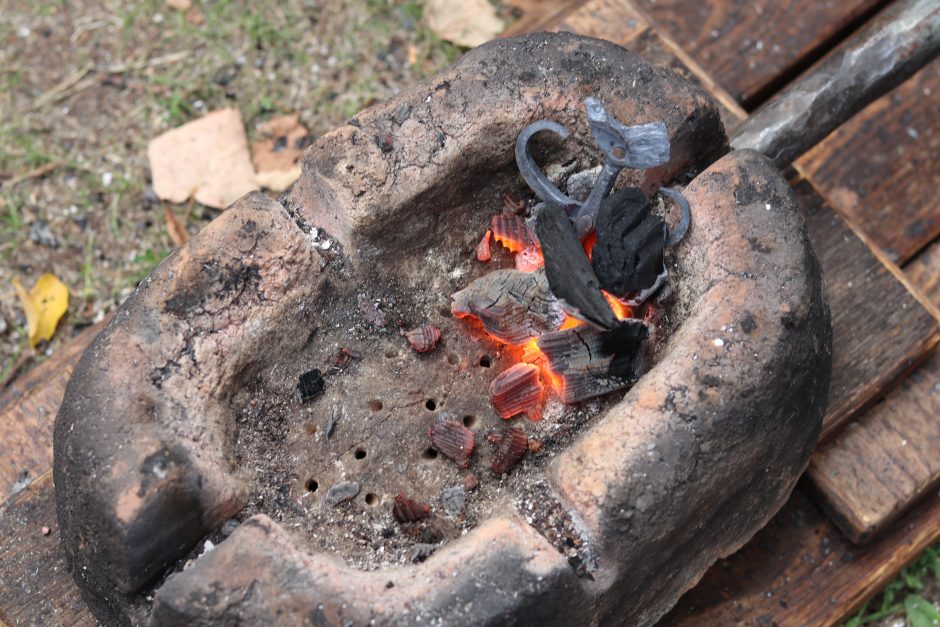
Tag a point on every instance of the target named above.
point(372, 313)
point(453, 440)
point(513, 306)
point(516, 390)
point(568, 269)
point(511, 445)
point(628, 255)
point(510, 231)
point(591, 362)
point(483, 248)
point(529, 259)
point(311, 386)
point(341, 492)
point(424, 338)
point(406, 510)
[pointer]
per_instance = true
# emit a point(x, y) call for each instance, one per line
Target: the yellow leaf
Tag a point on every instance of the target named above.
point(44, 306)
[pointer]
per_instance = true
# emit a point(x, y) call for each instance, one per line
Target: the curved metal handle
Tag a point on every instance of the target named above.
point(530, 170)
point(674, 236)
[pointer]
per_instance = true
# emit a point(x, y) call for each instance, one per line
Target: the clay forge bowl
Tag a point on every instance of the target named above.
point(180, 423)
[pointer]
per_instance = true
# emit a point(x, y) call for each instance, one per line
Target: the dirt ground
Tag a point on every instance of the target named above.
point(85, 84)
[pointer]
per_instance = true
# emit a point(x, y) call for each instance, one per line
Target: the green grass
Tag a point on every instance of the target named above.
point(902, 595)
point(144, 262)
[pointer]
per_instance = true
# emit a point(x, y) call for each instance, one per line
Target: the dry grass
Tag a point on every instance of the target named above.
point(84, 85)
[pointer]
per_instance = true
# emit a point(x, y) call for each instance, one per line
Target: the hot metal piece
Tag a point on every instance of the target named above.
point(676, 234)
point(640, 147)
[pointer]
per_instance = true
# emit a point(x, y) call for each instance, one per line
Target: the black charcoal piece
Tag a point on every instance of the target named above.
point(593, 363)
point(568, 269)
point(310, 386)
point(628, 255)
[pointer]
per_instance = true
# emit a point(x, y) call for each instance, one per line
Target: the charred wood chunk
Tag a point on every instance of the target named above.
point(511, 444)
point(423, 338)
point(516, 391)
point(628, 255)
point(510, 231)
point(407, 510)
point(453, 440)
point(593, 363)
point(568, 269)
point(311, 386)
point(513, 306)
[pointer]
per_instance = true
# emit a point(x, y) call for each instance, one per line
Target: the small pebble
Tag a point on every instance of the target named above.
point(341, 492)
point(40, 233)
point(46, 531)
point(454, 498)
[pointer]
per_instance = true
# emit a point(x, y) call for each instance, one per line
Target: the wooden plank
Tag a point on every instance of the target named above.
point(617, 21)
point(881, 331)
point(35, 588)
point(800, 570)
point(751, 47)
point(536, 15)
point(614, 20)
point(27, 411)
point(879, 169)
point(886, 460)
point(924, 272)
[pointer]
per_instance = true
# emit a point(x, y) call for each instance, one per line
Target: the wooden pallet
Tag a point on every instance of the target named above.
point(884, 325)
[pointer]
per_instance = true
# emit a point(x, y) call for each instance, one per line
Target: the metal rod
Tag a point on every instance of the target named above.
point(899, 41)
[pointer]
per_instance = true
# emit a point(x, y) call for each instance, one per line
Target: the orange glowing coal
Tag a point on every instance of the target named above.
point(509, 230)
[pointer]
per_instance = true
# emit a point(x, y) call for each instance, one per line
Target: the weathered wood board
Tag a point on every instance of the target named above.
point(618, 21)
point(538, 15)
point(800, 570)
point(880, 330)
point(889, 457)
point(751, 47)
point(880, 168)
point(35, 588)
point(27, 410)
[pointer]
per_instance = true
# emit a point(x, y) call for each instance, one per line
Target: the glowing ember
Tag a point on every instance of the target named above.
point(516, 391)
point(483, 248)
point(621, 309)
point(510, 231)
